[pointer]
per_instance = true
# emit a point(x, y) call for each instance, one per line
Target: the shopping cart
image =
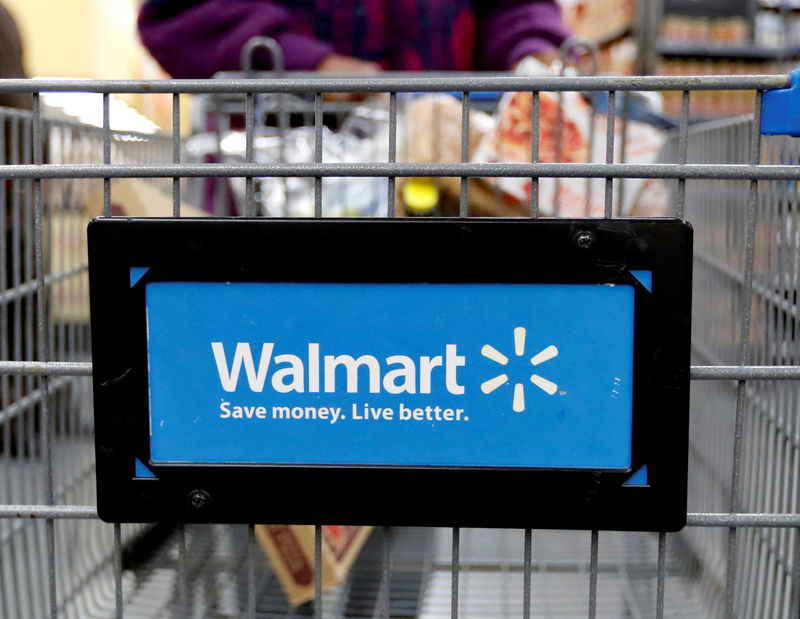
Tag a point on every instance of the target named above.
point(738, 556)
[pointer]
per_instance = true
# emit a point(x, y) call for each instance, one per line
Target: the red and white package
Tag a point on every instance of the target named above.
point(568, 136)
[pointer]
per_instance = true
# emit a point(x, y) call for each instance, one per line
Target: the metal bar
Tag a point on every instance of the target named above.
point(251, 572)
point(118, 602)
point(661, 574)
point(176, 153)
point(744, 354)
point(20, 291)
point(539, 170)
point(312, 83)
point(693, 519)
point(748, 372)
point(183, 594)
point(593, 576)
point(391, 206)
point(697, 372)
point(22, 403)
point(249, 205)
point(49, 368)
point(317, 154)
point(106, 155)
point(386, 580)
point(740, 520)
point(43, 353)
point(77, 512)
point(683, 146)
point(317, 571)
point(463, 203)
point(526, 576)
point(454, 573)
point(609, 189)
point(535, 102)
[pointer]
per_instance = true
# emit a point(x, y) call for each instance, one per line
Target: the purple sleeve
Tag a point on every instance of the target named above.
point(208, 37)
point(513, 29)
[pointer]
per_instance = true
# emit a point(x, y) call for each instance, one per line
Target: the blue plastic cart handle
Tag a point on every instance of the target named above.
point(780, 109)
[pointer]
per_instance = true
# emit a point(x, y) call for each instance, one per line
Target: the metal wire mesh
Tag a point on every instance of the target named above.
point(739, 556)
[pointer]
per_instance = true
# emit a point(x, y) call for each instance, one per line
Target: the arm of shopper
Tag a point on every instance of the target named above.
point(510, 30)
point(208, 36)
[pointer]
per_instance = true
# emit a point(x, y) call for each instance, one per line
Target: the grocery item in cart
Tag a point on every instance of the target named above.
point(290, 550)
point(568, 134)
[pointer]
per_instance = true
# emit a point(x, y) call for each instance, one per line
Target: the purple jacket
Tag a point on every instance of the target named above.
point(196, 38)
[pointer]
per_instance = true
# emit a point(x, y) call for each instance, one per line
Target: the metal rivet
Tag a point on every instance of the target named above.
point(198, 499)
point(585, 240)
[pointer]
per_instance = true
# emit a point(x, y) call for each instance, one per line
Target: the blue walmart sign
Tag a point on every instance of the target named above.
point(487, 375)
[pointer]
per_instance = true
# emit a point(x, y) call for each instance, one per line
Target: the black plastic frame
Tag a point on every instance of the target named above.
point(407, 250)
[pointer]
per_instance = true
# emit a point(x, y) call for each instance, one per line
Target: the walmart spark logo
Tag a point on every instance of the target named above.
point(518, 404)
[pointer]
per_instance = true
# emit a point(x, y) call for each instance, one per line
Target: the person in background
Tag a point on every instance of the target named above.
point(11, 65)
point(197, 38)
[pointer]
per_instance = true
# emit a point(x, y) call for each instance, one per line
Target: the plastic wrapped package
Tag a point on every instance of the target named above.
point(358, 141)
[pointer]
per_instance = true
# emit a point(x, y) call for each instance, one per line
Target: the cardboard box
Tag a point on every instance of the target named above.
point(290, 550)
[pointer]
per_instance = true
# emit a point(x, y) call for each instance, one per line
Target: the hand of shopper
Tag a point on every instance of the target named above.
point(335, 63)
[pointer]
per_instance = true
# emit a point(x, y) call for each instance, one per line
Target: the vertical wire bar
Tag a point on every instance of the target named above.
point(662, 570)
point(106, 154)
point(623, 138)
point(29, 595)
point(587, 208)
point(249, 115)
point(558, 137)
point(176, 153)
point(43, 353)
point(317, 152)
point(593, 576)
point(118, 603)
point(683, 147)
point(463, 204)
point(744, 353)
point(318, 569)
point(526, 577)
point(534, 153)
point(391, 205)
point(612, 98)
point(454, 574)
point(794, 610)
point(387, 574)
point(251, 572)
point(182, 576)
point(117, 558)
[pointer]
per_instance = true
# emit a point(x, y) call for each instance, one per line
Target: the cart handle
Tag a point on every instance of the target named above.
point(274, 50)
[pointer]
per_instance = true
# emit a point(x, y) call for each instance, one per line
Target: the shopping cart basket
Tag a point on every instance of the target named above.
point(740, 554)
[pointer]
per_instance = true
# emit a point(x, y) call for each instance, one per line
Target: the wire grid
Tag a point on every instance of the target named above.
point(739, 554)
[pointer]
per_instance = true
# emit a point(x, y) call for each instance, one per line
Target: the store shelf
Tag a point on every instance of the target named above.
point(719, 50)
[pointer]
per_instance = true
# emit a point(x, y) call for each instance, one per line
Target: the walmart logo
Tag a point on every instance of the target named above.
point(518, 402)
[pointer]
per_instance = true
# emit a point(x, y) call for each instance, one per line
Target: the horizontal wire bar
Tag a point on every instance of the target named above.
point(76, 512)
point(88, 512)
point(697, 372)
point(742, 520)
point(311, 82)
point(747, 372)
point(49, 368)
point(537, 170)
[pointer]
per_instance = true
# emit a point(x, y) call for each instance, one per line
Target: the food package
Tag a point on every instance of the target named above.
point(363, 138)
point(67, 249)
point(598, 20)
point(290, 550)
point(569, 136)
point(431, 132)
point(133, 197)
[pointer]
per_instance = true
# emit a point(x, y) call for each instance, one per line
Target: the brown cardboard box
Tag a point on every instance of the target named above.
point(66, 234)
point(133, 197)
point(290, 550)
